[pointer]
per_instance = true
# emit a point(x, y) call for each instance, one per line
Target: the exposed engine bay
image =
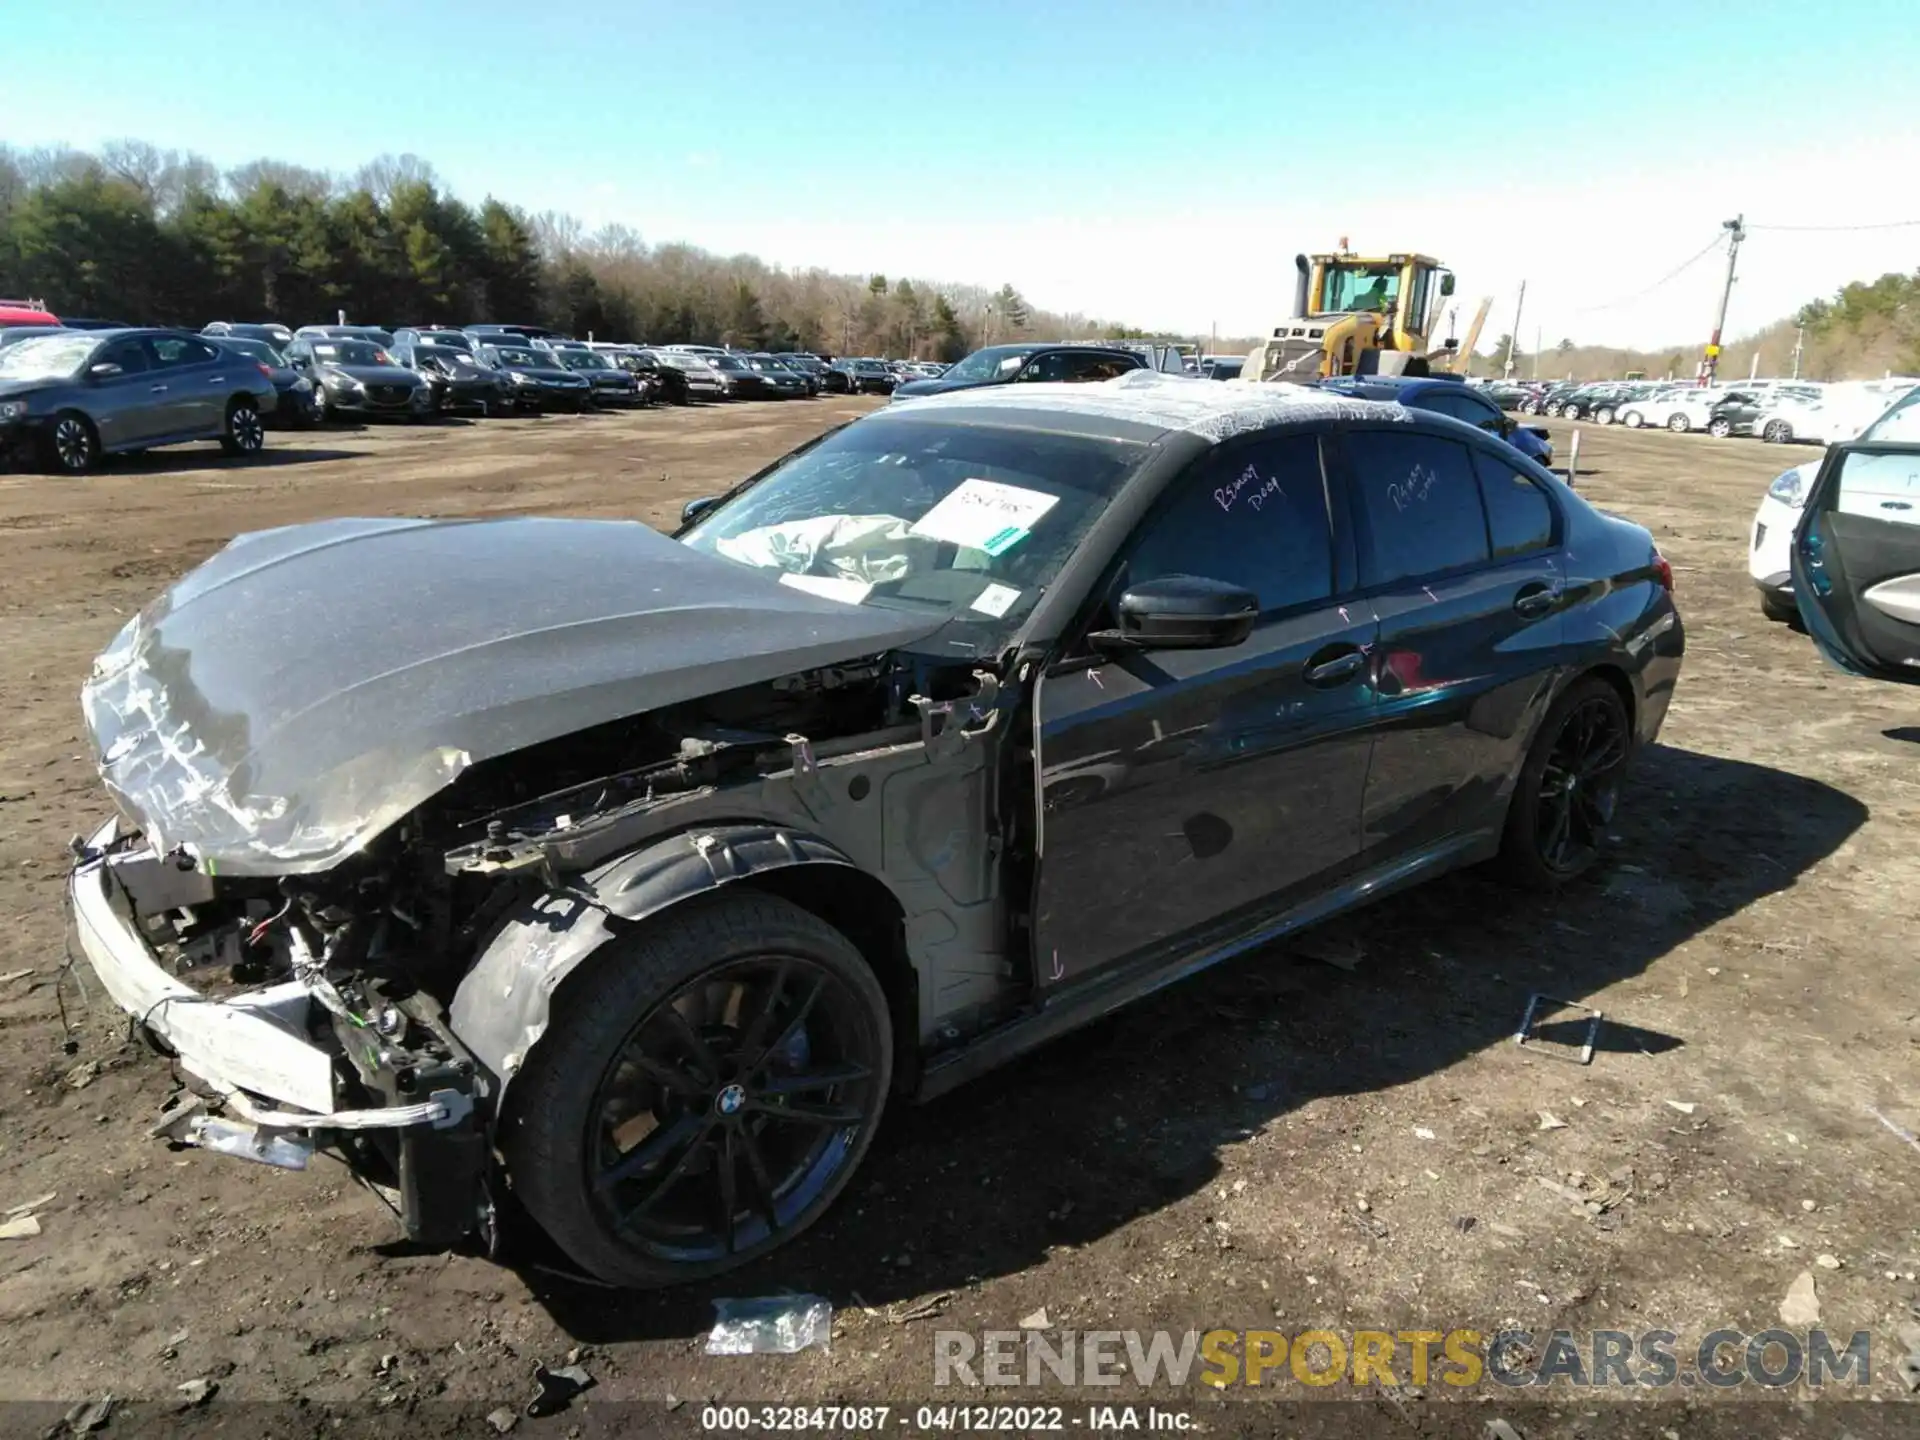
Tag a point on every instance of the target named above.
point(377, 962)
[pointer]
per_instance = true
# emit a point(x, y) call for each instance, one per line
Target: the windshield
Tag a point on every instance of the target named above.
point(1901, 423)
point(986, 364)
point(350, 352)
point(255, 349)
point(970, 520)
point(583, 360)
point(45, 356)
point(447, 342)
point(516, 359)
point(1361, 287)
point(724, 362)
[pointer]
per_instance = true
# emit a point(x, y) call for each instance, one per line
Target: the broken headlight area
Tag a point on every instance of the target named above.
point(295, 1011)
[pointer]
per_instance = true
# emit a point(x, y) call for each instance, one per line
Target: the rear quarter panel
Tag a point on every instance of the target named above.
point(1618, 616)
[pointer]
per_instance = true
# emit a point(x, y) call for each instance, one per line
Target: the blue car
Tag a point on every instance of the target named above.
point(1449, 395)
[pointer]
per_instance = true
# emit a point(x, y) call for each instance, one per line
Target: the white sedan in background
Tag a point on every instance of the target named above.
point(1770, 550)
point(1679, 410)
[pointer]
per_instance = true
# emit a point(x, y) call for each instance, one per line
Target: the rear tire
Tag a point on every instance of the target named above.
point(1778, 610)
point(1603, 416)
point(1778, 432)
point(569, 1128)
point(1719, 429)
point(242, 433)
point(1632, 420)
point(1568, 791)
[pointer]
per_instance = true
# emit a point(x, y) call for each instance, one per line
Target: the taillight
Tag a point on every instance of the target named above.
point(264, 368)
point(1662, 571)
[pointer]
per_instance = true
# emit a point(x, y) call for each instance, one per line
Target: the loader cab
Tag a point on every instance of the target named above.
point(1403, 291)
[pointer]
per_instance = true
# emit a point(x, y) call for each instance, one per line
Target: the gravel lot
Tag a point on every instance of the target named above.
point(1281, 1143)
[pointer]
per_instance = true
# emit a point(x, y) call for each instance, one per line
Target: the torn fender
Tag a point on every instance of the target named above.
point(500, 1010)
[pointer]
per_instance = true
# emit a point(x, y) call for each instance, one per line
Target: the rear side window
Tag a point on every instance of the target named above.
point(1417, 505)
point(1519, 515)
point(1255, 516)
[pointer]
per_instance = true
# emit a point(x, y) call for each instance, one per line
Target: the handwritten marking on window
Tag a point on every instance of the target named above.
point(1248, 483)
point(1415, 488)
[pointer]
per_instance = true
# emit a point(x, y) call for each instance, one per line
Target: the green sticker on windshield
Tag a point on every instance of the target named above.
point(1005, 540)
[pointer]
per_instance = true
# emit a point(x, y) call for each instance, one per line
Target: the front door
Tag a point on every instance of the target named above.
point(1180, 788)
point(1856, 559)
point(129, 406)
point(1457, 556)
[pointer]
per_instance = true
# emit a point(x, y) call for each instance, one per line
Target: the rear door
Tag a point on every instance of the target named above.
point(1185, 790)
point(199, 377)
point(1458, 559)
point(1856, 559)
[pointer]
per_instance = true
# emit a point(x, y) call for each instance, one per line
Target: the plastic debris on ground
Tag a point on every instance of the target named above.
point(775, 1325)
point(555, 1388)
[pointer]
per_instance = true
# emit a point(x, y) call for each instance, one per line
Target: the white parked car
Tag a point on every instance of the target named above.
point(1688, 408)
point(1793, 414)
point(1769, 551)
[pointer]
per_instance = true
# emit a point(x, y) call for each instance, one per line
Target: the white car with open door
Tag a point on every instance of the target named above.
point(1770, 548)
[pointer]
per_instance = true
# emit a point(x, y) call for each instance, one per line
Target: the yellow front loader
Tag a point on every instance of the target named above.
point(1361, 315)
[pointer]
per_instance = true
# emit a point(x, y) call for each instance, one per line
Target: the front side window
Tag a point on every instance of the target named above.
point(1251, 515)
point(1416, 505)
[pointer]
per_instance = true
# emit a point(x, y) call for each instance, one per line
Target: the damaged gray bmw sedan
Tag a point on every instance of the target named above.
point(635, 874)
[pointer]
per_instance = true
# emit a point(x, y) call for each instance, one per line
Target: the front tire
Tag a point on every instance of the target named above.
point(72, 444)
point(1679, 424)
point(1632, 420)
point(1778, 432)
point(1719, 429)
point(243, 433)
point(1569, 788)
point(1780, 610)
point(704, 1091)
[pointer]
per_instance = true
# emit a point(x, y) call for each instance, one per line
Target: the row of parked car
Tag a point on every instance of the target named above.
point(1777, 411)
point(72, 392)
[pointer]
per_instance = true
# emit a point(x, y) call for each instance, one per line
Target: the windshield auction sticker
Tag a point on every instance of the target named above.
point(983, 514)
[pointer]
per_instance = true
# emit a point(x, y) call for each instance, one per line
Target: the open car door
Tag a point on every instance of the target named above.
point(1856, 560)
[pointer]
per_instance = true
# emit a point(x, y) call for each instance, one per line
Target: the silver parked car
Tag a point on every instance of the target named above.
point(71, 396)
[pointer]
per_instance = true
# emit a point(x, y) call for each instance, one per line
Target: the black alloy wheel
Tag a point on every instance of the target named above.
point(1569, 789)
point(724, 1119)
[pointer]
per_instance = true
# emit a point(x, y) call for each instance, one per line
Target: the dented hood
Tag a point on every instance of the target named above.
point(307, 687)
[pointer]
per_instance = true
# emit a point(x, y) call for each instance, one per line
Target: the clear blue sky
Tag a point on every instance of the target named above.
point(1148, 161)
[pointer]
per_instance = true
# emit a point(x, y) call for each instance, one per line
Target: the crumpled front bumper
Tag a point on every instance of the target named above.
point(255, 1050)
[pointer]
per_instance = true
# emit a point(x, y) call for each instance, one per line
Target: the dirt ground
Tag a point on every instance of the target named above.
point(1281, 1143)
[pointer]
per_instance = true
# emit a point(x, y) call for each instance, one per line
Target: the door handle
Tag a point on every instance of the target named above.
point(1336, 669)
point(1535, 600)
point(216, 379)
point(156, 389)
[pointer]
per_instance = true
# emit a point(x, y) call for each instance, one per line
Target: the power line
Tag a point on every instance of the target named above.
point(1671, 275)
point(1835, 229)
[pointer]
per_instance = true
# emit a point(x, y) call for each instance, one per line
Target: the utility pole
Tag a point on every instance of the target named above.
point(1513, 336)
point(1799, 339)
point(1736, 231)
point(1536, 352)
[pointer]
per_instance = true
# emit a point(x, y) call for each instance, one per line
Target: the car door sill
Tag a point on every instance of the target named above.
point(1100, 994)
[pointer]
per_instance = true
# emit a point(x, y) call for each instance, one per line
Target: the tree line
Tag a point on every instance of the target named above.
point(154, 236)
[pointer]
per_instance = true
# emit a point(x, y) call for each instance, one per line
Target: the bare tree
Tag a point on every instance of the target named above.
point(294, 179)
point(381, 177)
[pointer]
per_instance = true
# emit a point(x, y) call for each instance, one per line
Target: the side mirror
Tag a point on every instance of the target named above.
point(1181, 612)
point(1446, 284)
point(103, 370)
point(694, 509)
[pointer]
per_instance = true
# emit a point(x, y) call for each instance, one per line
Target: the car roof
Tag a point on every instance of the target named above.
point(1152, 402)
